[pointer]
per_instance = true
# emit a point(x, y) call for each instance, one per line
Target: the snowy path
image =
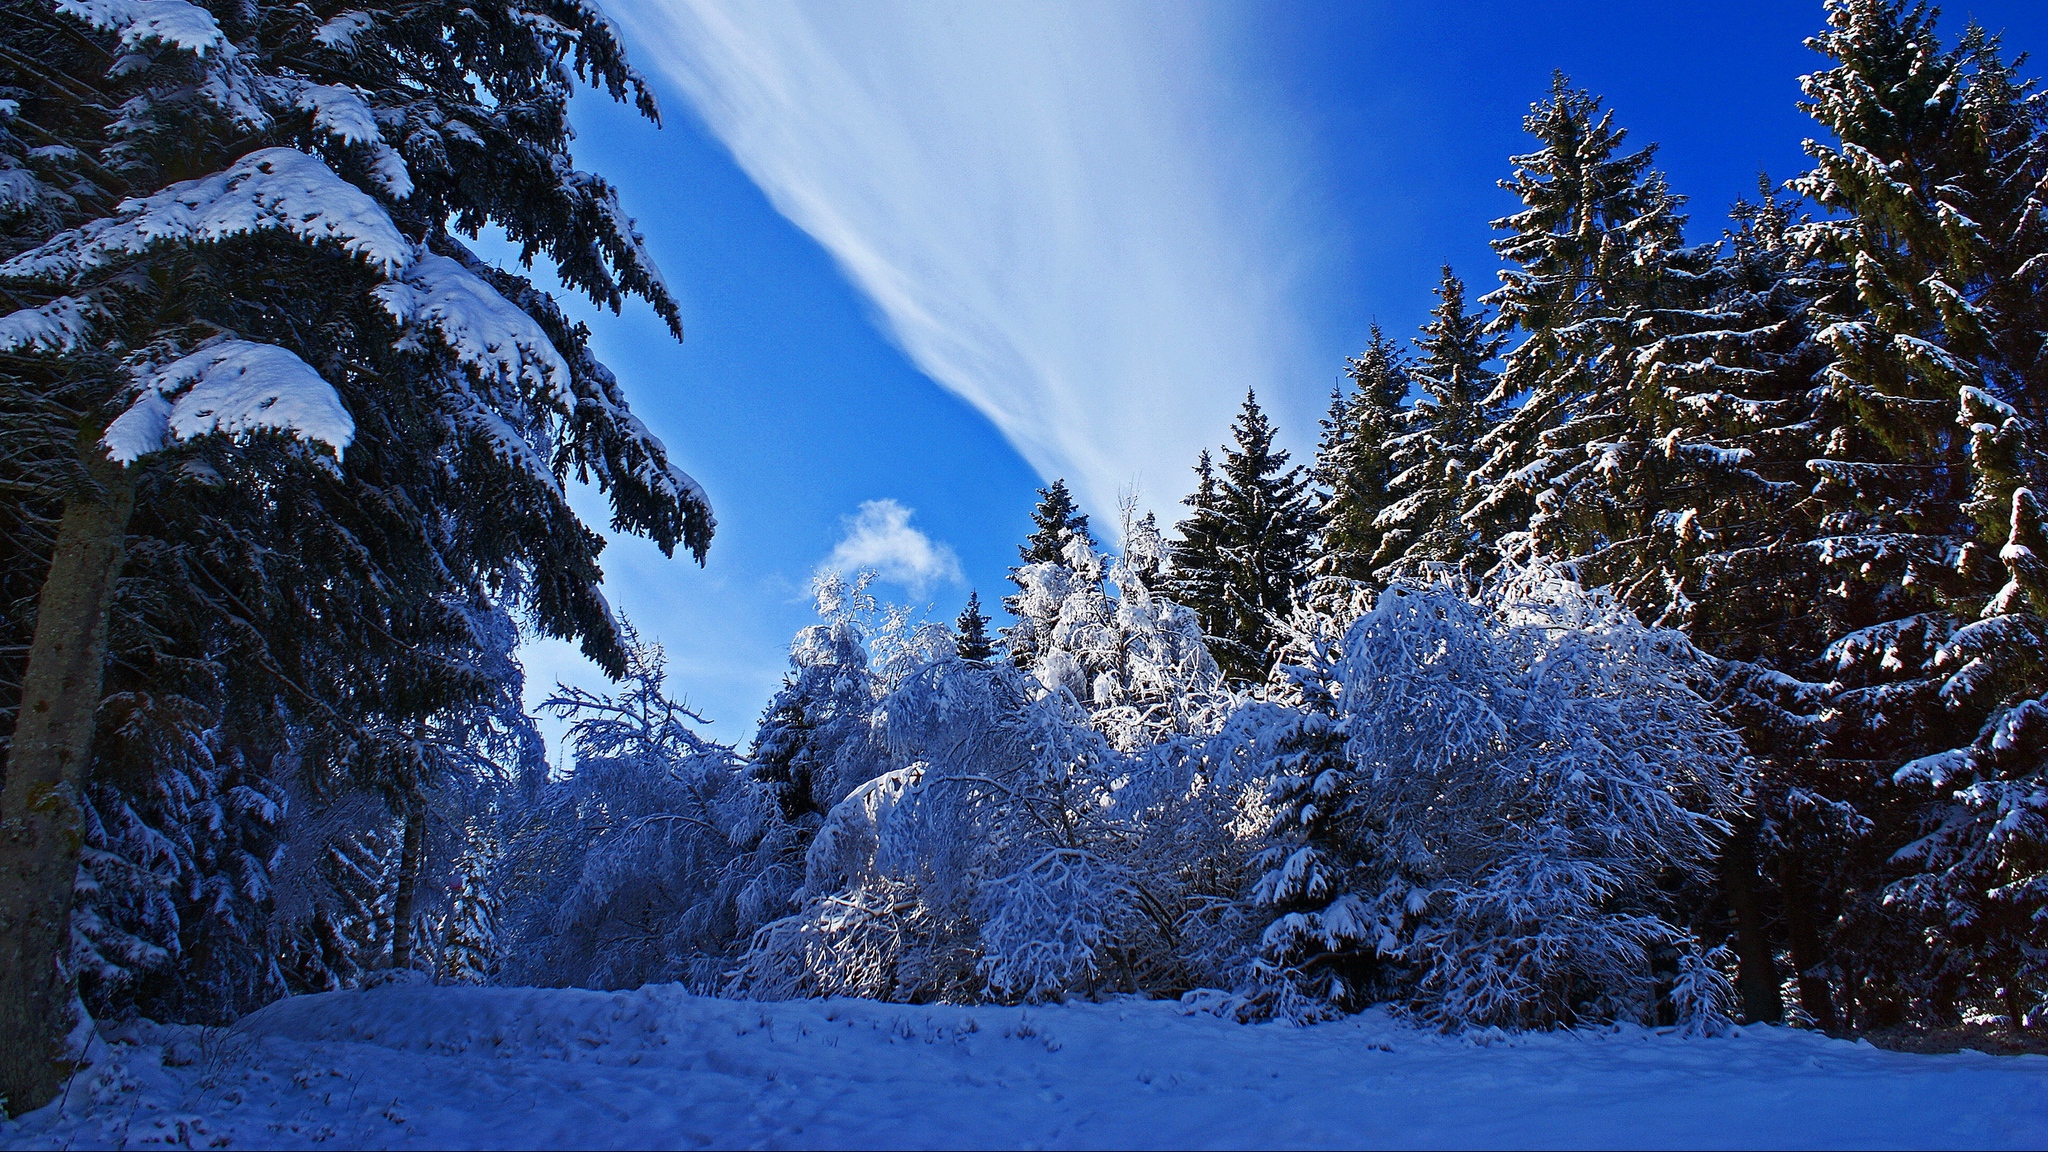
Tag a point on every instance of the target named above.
point(417, 1066)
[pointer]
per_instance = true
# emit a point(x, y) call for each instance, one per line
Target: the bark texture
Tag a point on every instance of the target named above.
point(411, 858)
point(46, 769)
point(1756, 975)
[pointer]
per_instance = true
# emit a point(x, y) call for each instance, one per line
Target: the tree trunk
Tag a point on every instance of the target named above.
point(46, 768)
point(1756, 975)
point(1814, 994)
point(410, 859)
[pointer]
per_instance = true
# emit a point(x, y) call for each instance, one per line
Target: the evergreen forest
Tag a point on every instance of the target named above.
point(1659, 634)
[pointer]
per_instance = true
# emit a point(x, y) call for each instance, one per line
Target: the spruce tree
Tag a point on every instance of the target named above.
point(1938, 258)
point(1438, 443)
point(1353, 464)
point(421, 410)
point(1589, 250)
point(1055, 520)
point(1244, 548)
point(1052, 521)
point(971, 639)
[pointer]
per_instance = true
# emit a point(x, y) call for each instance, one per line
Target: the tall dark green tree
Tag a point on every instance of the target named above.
point(1244, 547)
point(1939, 256)
point(1438, 444)
point(1589, 253)
point(970, 631)
point(261, 197)
point(1053, 520)
point(1353, 467)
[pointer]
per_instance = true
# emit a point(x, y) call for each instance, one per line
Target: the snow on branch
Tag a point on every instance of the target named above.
point(136, 22)
point(58, 326)
point(280, 188)
point(233, 387)
point(342, 113)
point(481, 328)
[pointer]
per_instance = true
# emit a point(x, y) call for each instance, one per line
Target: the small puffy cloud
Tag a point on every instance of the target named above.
point(880, 539)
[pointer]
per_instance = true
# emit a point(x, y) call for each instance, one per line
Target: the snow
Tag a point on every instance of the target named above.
point(485, 331)
point(344, 114)
point(409, 1065)
point(232, 387)
point(55, 327)
point(173, 22)
point(269, 188)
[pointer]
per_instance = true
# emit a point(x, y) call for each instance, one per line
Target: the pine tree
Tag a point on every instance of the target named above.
point(1353, 460)
point(1055, 518)
point(971, 630)
point(422, 410)
point(1438, 441)
point(1590, 251)
point(1938, 253)
point(1243, 549)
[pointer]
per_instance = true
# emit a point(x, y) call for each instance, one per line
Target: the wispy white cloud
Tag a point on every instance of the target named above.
point(879, 538)
point(1065, 212)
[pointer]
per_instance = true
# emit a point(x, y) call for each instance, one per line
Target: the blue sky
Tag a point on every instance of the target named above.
point(929, 255)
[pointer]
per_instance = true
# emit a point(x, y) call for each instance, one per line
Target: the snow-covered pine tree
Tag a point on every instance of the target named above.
point(1942, 252)
point(971, 631)
point(329, 158)
point(1589, 249)
point(1243, 550)
point(1054, 519)
point(1437, 443)
point(472, 948)
point(1353, 467)
point(817, 740)
point(1741, 544)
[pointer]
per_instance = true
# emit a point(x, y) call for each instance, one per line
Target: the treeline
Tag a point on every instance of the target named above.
point(1660, 638)
point(1813, 446)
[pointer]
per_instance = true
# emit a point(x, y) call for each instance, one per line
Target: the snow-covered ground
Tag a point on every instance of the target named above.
point(419, 1066)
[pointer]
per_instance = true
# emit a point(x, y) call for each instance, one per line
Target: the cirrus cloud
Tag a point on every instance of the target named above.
point(1070, 214)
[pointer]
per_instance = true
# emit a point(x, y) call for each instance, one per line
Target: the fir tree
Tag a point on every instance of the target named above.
point(971, 631)
point(1243, 549)
point(1353, 460)
point(1590, 250)
point(1937, 255)
point(1438, 442)
point(1054, 521)
point(424, 442)
point(1055, 518)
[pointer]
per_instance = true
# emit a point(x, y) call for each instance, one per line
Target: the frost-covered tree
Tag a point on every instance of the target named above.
point(820, 738)
point(1054, 520)
point(183, 153)
point(1133, 660)
point(1481, 819)
point(1243, 550)
point(982, 867)
point(652, 859)
point(470, 939)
